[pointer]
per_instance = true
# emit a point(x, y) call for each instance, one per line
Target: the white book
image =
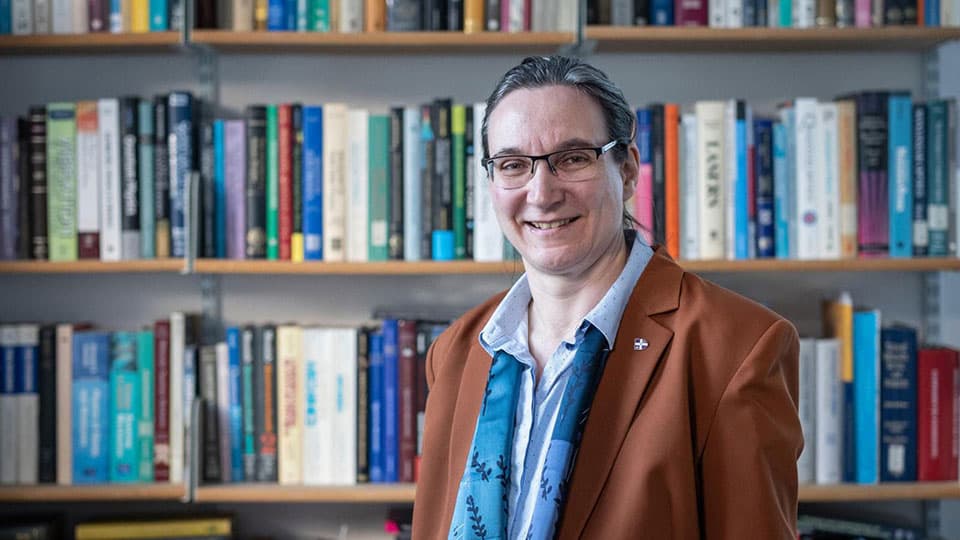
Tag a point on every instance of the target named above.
point(177, 400)
point(64, 404)
point(807, 191)
point(358, 184)
point(804, 13)
point(108, 123)
point(21, 12)
point(302, 15)
point(412, 226)
point(41, 16)
point(81, 19)
point(621, 12)
point(61, 15)
point(733, 17)
point(567, 13)
point(847, 176)
point(334, 181)
point(488, 241)
point(28, 413)
point(689, 194)
point(8, 405)
point(806, 464)
point(731, 171)
point(343, 352)
point(242, 15)
point(515, 21)
point(317, 438)
point(711, 177)
point(289, 396)
point(88, 172)
point(191, 358)
point(350, 17)
point(717, 14)
point(829, 439)
point(828, 170)
point(223, 410)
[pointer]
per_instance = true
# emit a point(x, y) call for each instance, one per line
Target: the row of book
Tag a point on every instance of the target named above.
point(774, 13)
point(24, 17)
point(812, 527)
point(189, 527)
point(876, 405)
point(275, 403)
point(871, 174)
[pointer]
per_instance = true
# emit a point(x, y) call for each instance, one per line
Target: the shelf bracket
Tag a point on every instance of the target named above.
point(931, 307)
point(581, 46)
point(931, 73)
point(211, 308)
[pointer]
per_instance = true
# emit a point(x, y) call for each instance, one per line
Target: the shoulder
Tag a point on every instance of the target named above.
point(462, 334)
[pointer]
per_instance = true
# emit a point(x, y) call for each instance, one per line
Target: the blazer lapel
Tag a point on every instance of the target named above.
point(621, 390)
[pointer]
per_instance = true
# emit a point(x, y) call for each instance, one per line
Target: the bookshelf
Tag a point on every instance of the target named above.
point(99, 493)
point(59, 44)
point(246, 493)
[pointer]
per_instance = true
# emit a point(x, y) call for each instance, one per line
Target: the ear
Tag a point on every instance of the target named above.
point(630, 171)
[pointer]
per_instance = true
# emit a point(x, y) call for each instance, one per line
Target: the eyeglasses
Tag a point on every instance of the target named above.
point(571, 165)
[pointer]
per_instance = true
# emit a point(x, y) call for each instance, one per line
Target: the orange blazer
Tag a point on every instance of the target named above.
point(694, 436)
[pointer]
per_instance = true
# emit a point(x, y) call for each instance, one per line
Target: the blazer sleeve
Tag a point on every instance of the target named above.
point(749, 461)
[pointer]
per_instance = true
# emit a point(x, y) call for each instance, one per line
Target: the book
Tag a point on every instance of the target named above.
point(898, 404)
point(62, 179)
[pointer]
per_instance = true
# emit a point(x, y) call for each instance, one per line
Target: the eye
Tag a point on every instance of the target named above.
point(512, 165)
point(574, 158)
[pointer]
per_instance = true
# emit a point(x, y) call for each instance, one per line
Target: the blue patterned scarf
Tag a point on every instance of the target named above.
point(482, 500)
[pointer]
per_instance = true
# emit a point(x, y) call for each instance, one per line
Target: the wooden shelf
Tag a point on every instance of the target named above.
point(879, 492)
point(106, 492)
point(98, 42)
point(91, 267)
point(368, 493)
point(739, 40)
point(400, 268)
point(404, 42)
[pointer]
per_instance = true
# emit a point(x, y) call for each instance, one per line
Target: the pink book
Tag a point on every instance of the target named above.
point(861, 13)
point(643, 202)
point(691, 12)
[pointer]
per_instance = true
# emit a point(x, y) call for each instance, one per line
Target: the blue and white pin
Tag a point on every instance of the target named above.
point(640, 344)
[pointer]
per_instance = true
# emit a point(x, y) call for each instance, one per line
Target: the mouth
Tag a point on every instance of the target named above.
point(549, 225)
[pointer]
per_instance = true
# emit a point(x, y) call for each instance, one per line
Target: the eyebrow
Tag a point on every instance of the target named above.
point(565, 145)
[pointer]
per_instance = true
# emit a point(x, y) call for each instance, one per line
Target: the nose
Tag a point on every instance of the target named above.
point(544, 187)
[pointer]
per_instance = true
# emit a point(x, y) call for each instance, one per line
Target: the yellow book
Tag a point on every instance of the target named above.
point(154, 529)
point(472, 16)
point(289, 395)
point(838, 323)
point(296, 247)
point(140, 16)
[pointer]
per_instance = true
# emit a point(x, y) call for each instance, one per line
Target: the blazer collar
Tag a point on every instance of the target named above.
point(615, 404)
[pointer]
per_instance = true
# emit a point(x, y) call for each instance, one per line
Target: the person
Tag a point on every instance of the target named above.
point(609, 393)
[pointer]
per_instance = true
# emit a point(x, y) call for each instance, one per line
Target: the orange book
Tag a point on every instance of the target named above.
point(671, 159)
point(472, 16)
point(375, 16)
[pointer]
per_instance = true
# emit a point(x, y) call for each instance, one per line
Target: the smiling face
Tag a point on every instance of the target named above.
point(559, 228)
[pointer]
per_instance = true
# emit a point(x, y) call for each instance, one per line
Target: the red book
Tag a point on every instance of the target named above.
point(407, 389)
point(161, 396)
point(690, 12)
point(285, 191)
point(938, 397)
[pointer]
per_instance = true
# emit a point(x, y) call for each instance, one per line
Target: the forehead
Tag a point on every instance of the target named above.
point(544, 116)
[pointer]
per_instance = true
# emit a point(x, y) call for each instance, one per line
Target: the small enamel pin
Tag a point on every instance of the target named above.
point(640, 344)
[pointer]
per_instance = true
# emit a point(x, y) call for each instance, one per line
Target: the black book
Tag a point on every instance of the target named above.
point(207, 245)
point(395, 225)
point(435, 15)
point(872, 169)
point(206, 14)
point(454, 15)
point(471, 182)
point(442, 205)
point(404, 16)
point(426, 183)
point(39, 245)
point(47, 401)
point(265, 405)
point(256, 200)
point(363, 405)
point(129, 179)
point(23, 189)
point(657, 138)
point(210, 465)
point(161, 176)
point(296, 120)
point(492, 8)
point(921, 236)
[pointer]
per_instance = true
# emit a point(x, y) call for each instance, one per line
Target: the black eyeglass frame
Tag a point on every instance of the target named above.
point(600, 150)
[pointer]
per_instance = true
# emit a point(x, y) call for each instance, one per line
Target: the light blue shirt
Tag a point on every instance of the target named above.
point(539, 401)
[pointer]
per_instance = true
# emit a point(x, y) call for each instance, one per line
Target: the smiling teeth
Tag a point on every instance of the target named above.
point(544, 225)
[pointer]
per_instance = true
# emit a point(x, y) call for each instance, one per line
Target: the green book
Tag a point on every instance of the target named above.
point(458, 127)
point(148, 222)
point(62, 181)
point(786, 13)
point(273, 185)
point(379, 187)
point(938, 175)
point(124, 409)
point(145, 414)
point(318, 15)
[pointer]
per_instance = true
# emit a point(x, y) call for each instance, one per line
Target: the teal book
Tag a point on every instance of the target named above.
point(145, 414)
point(158, 16)
point(458, 126)
point(62, 181)
point(145, 140)
point(938, 178)
point(124, 404)
point(379, 188)
point(318, 15)
point(273, 185)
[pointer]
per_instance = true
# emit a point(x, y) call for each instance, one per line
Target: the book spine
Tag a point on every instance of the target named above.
point(256, 182)
point(145, 165)
point(921, 232)
point(407, 394)
point(363, 406)
point(91, 388)
point(9, 388)
point(219, 190)
point(710, 178)
point(129, 183)
point(936, 460)
point(285, 180)
point(180, 148)
point(124, 409)
point(458, 126)
point(161, 425)
point(64, 404)
point(145, 418)
point(442, 241)
point(296, 202)
point(39, 246)
point(342, 345)
point(866, 391)
point(898, 405)
point(62, 178)
point(829, 416)
point(317, 439)
point(28, 413)
point(847, 158)
point(8, 188)
point(427, 167)
point(741, 191)
point(765, 185)
point(182, 372)
point(938, 175)
point(47, 398)
point(395, 244)
point(206, 224)
point(807, 202)
point(690, 196)
point(404, 16)
point(161, 176)
point(899, 164)
point(334, 182)
point(248, 350)
point(210, 453)
point(391, 441)
point(873, 217)
point(289, 389)
point(235, 401)
point(380, 217)
point(158, 16)
point(376, 419)
point(358, 157)
point(412, 221)
point(828, 167)
point(312, 183)
point(108, 111)
point(266, 406)
point(88, 181)
point(222, 410)
point(807, 409)
point(234, 167)
point(471, 159)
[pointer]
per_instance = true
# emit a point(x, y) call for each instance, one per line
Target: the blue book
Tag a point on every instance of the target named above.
point(234, 382)
point(781, 196)
point(124, 409)
point(866, 394)
point(276, 15)
point(180, 125)
point(158, 16)
point(931, 12)
point(27, 366)
point(375, 436)
point(220, 193)
point(898, 404)
point(312, 183)
point(91, 399)
point(391, 359)
point(900, 173)
point(661, 12)
point(247, 349)
point(145, 153)
point(741, 190)
point(764, 195)
point(290, 13)
point(6, 17)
